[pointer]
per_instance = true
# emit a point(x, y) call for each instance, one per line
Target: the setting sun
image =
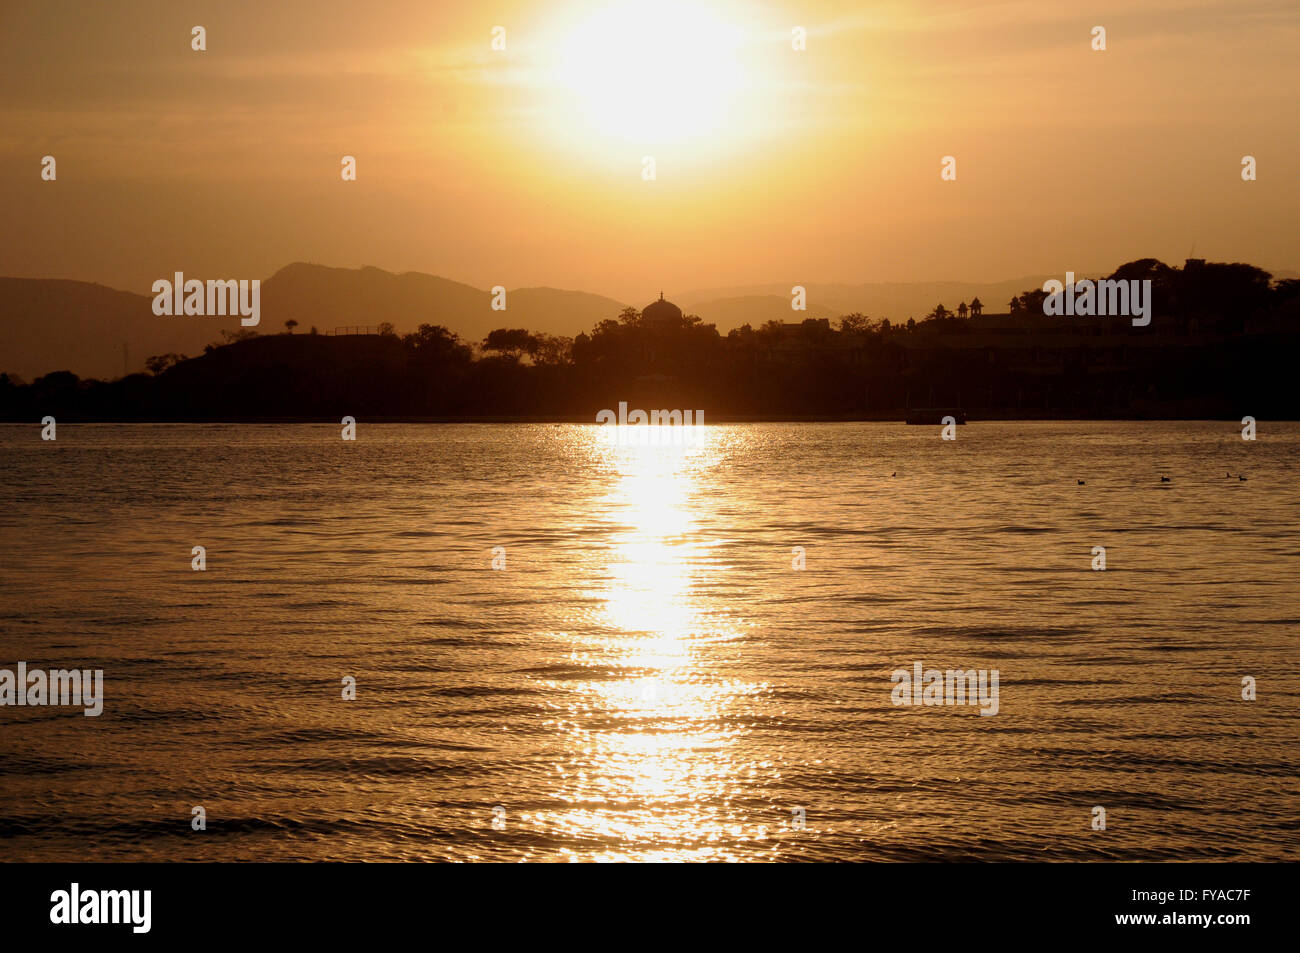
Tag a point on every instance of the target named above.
point(650, 73)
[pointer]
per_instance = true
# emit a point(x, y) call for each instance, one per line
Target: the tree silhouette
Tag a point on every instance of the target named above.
point(160, 362)
point(510, 342)
point(432, 343)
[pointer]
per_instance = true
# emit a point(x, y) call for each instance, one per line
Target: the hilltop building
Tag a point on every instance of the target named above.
point(661, 314)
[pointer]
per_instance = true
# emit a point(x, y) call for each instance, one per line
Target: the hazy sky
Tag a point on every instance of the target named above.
point(524, 167)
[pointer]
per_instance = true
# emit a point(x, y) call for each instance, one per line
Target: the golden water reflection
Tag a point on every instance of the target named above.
point(653, 730)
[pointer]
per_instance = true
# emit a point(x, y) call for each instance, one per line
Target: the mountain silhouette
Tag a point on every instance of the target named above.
point(756, 310)
point(898, 301)
point(54, 324)
point(100, 332)
point(326, 298)
point(753, 304)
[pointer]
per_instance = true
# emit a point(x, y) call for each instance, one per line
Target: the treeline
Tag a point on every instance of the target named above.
point(1223, 344)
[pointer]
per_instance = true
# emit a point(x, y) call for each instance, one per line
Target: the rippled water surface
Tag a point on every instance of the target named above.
point(648, 677)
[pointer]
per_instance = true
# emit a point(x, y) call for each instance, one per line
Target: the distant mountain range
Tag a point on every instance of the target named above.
point(897, 301)
point(755, 304)
point(96, 331)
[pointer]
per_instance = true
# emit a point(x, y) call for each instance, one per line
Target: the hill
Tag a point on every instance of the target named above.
point(49, 325)
point(897, 301)
point(327, 298)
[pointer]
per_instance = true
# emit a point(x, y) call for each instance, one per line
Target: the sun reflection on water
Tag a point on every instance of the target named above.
point(653, 729)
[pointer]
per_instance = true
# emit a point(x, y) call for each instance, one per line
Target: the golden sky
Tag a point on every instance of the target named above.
point(524, 166)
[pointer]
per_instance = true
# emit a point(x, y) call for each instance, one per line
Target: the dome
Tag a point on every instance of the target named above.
point(661, 312)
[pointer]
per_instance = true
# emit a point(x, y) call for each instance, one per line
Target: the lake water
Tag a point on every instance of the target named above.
point(648, 677)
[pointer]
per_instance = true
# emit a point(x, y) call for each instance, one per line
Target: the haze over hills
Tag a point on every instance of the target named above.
point(97, 331)
point(324, 297)
point(896, 301)
point(49, 325)
point(752, 309)
point(56, 325)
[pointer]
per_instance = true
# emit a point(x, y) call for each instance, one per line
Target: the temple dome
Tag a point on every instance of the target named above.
point(661, 312)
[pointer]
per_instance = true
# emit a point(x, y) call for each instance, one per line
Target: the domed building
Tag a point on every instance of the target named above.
point(661, 314)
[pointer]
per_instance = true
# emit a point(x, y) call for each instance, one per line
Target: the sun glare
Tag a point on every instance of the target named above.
point(651, 72)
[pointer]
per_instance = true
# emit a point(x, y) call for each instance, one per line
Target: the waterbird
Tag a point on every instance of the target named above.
point(1080, 482)
point(1164, 479)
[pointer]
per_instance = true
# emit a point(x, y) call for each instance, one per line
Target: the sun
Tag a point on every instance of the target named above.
point(651, 72)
